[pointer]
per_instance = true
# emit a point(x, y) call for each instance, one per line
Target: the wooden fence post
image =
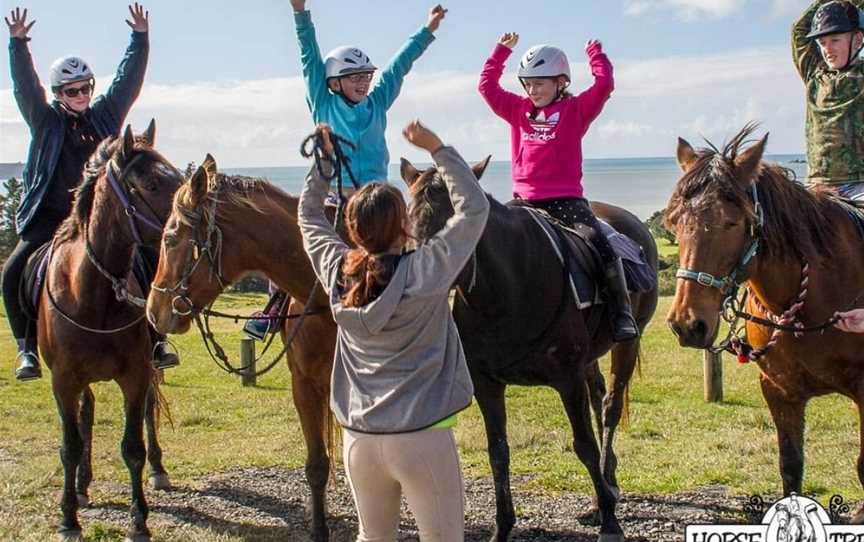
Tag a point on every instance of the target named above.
point(713, 368)
point(247, 359)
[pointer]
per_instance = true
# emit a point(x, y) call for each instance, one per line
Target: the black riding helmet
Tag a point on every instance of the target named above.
point(834, 17)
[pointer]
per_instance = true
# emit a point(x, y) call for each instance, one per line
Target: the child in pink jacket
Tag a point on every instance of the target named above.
point(546, 130)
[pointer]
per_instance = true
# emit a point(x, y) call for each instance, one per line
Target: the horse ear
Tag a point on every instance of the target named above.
point(128, 142)
point(409, 172)
point(199, 183)
point(686, 155)
point(149, 135)
point(209, 165)
point(480, 167)
point(748, 161)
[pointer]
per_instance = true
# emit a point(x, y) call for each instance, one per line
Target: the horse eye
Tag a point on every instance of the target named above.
point(170, 240)
point(729, 225)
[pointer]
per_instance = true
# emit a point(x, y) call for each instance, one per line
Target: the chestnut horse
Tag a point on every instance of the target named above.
point(89, 327)
point(222, 227)
point(740, 221)
point(520, 325)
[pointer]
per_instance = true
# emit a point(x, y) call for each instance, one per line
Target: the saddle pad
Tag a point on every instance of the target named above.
point(580, 259)
point(30, 287)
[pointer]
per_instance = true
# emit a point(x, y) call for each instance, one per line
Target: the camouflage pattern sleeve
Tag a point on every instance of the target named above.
point(805, 53)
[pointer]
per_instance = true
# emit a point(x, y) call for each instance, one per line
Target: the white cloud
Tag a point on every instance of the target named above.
point(685, 9)
point(261, 123)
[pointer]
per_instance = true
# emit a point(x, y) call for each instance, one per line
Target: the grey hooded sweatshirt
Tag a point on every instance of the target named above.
point(399, 364)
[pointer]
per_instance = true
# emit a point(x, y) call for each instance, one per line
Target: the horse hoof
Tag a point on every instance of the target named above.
point(70, 535)
point(160, 482)
point(83, 500)
point(590, 518)
point(611, 538)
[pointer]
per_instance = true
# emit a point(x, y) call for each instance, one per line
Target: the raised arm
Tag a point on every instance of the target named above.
point(26, 87)
point(311, 62)
point(438, 261)
point(390, 83)
point(592, 100)
point(503, 103)
point(320, 240)
point(805, 53)
point(129, 79)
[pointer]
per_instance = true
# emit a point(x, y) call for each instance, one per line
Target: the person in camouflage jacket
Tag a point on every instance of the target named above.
point(826, 42)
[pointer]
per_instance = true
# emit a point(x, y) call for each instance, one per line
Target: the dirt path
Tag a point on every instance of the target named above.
point(264, 504)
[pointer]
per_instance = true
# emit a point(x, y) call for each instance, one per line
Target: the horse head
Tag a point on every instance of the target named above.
point(430, 206)
point(188, 276)
point(715, 218)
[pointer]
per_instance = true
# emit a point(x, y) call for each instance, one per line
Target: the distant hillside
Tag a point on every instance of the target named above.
point(11, 170)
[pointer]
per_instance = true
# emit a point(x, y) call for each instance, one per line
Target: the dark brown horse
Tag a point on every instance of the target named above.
point(739, 220)
point(256, 225)
point(520, 325)
point(90, 328)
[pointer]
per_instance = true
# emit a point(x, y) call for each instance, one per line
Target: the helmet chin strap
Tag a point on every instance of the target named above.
point(852, 56)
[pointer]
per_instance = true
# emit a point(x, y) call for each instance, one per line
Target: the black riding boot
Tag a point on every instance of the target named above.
point(163, 358)
point(29, 368)
point(624, 326)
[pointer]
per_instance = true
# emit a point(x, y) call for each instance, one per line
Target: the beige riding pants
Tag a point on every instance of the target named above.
point(424, 465)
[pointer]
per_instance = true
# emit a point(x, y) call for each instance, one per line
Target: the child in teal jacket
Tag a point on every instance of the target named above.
point(339, 93)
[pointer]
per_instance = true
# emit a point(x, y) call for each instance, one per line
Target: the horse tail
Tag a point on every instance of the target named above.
point(160, 402)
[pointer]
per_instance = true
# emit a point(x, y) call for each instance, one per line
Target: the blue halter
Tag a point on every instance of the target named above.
point(729, 284)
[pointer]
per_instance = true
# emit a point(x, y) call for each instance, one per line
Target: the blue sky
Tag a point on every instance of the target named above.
point(225, 80)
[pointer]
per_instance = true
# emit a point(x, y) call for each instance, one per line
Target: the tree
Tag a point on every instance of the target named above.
point(8, 206)
point(658, 229)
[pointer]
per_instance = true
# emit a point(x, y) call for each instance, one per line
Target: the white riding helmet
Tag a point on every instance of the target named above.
point(69, 69)
point(544, 61)
point(345, 61)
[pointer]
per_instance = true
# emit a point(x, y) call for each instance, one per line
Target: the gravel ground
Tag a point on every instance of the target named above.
point(268, 504)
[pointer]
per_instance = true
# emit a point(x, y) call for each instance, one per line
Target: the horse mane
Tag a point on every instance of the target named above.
point(84, 194)
point(235, 189)
point(796, 220)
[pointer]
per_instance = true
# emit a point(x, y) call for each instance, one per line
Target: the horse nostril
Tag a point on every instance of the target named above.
point(700, 329)
point(673, 327)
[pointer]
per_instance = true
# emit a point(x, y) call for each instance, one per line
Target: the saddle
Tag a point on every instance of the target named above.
point(33, 277)
point(580, 259)
point(855, 211)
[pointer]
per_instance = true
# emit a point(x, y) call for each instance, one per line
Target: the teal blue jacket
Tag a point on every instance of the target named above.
point(363, 123)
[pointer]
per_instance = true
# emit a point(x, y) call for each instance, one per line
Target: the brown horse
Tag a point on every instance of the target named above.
point(520, 325)
point(256, 227)
point(741, 221)
point(89, 327)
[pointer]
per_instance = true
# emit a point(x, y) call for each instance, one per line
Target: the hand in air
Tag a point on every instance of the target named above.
point(140, 19)
point(509, 39)
point(593, 47)
point(298, 5)
point(436, 14)
point(422, 136)
point(19, 28)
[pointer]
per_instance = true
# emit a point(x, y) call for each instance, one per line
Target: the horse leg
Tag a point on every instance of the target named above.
point(858, 517)
point(596, 386)
point(85, 429)
point(573, 395)
point(67, 397)
point(624, 356)
point(490, 399)
point(312, 404)
point(788, 415)
point(135, 385)
point(158, 475)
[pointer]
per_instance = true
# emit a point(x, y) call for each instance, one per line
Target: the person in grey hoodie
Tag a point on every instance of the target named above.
point(399, 371)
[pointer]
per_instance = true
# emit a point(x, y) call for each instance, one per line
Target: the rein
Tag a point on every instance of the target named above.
point(211, 246)
point(119, 285)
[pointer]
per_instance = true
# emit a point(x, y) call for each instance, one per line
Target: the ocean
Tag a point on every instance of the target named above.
point(640, 185)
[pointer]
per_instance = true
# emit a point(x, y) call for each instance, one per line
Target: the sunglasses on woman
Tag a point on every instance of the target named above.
point(74, 91)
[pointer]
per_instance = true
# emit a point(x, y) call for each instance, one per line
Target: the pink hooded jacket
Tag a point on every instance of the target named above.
point(547, 149)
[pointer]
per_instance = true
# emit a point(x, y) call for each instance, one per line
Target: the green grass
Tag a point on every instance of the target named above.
point(675, 442)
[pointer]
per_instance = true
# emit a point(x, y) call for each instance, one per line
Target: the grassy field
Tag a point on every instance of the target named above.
point(675, 442)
